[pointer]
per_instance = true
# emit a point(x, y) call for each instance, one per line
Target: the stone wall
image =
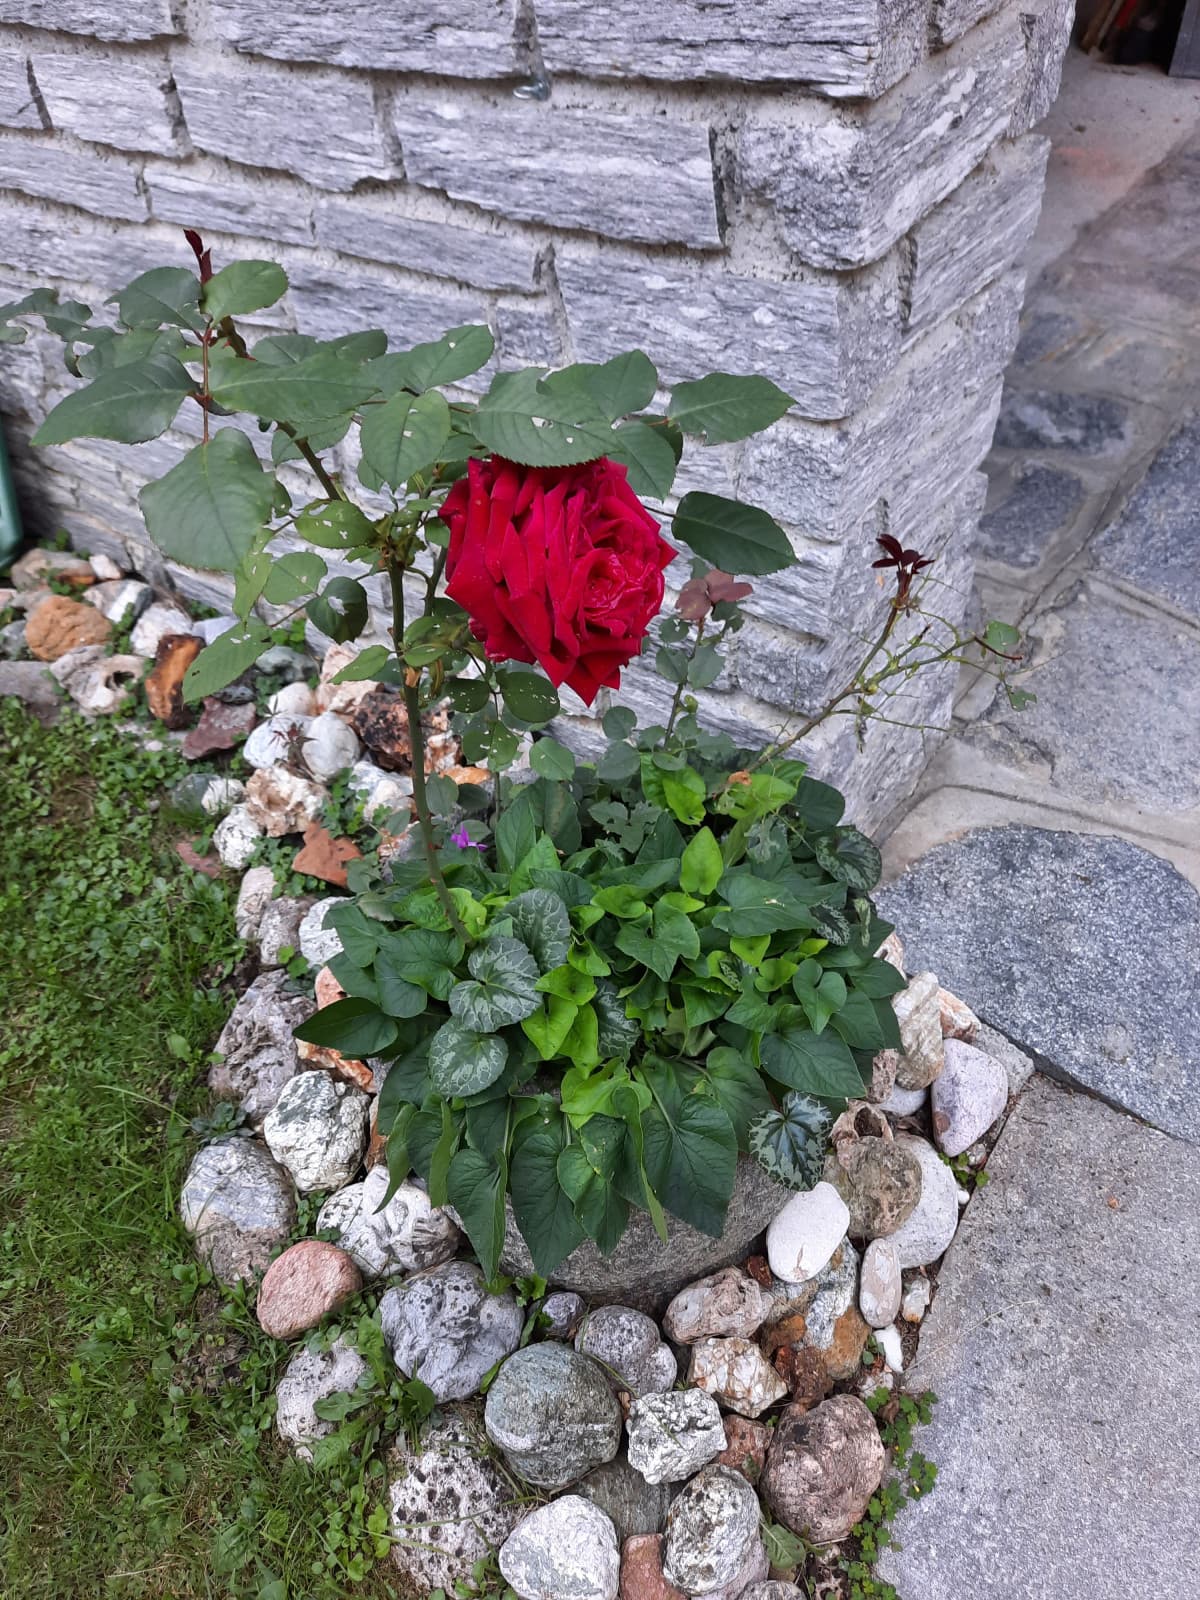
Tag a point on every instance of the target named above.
point(832, 192)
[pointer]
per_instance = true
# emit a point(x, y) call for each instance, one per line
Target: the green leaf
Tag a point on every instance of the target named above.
point(541, 922)
point(537, 424)
point(685, 792)
point(1001, 636)
point(404, 435)
point(618, 764)
point(335, 525)
point(463, 1062)
point(722, 408)
point(516, 832)
point(120, 349)
point(225, 659)
point(131, 404)
point(397, 996)
point(756, 906)
point(701, 867)
point(790, 1143)
point(617, 387)
point(476, 1186)
point(340, 610)
point(816, 1064)
point(617, 1032)
point(691, 1157)
point(528, 695)
point(738, 1088)
point(587, 1177)
point(820, 993)
point(860, 1024)
point(164, 294)
point(550, 1025)
point(425, 957)
point(732, 536)
point(242, 287)
point(502, 988)
point(312, 389)
point(299, 572)
point(442, 1154)
point(208, 510)
point(544, 1212)
point(850, 857)
point(618, 722)
point(456, 355)
point(354, 1027)
point(552, 760)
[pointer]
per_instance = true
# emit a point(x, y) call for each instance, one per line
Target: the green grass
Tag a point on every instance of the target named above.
point(136, 1452)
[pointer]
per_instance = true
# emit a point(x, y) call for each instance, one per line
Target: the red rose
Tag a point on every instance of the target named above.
point(558, 565)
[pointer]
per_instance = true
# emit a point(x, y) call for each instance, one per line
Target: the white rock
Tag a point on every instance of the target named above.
point(566, 1550)
point(879, 1286)
point(712, 1533)
point(311, 1376)
point(929, 1230)
point(272, 741)
point(282, 801)
point(293, 700)
point(212, 628)
point(318, 944)
point(279, 929)
point(725, 1304)
point(98, 683)
point(281, 658)
point(380, 791)
point(673, 1435)
point(806, 1232)
point(904, 1102)
point(408, 1235)
point(254, 895)
point(221, 795)
point(737, 1374)
point(341, 697)
point(443, 1327)
point(155, 623)
point(330, 747)
point(238, 1205)
point(888, 1340)
point(236, 838)
point(967, 1097)
point(916, 1299)
point(317, 1129)
point(105, 568)
point(121, 600)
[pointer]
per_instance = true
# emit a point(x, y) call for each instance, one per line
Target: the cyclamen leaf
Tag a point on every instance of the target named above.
point(208, 510)
point(541, 922)
point(850, 857)
point(502, 988)
point(544, 1212)
point(132, 403)
point(463, 1062)
point(691, 1159)
point(790, 1143)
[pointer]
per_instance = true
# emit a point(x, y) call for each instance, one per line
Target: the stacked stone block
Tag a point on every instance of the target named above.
point(832, 192)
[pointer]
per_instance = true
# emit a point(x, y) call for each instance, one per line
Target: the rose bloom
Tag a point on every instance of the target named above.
point(558, 565)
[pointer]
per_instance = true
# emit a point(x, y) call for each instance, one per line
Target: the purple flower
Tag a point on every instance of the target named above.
point(463, 840)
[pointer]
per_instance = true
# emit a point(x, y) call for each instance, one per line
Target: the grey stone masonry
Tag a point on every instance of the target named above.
point(832, 193)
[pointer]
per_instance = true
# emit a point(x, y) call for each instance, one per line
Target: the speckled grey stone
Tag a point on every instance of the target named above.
point(1084, 424)
point(279, 929)
point(237, 1204)
point(311, 1376)
point(257, 1047)
point(451, 1502)
point(1083, 949)
point(1075, 1269)
point(711, 1531)
point(443, 1327)
point(317, 1129)
point(563, 1312)
point(553, 1414)
point(673, 1435)
point(629, 1347)
point(1041, 501)
point(1155, 540)
point(566, 1550)
point(407, 1235)
point(634, 1503)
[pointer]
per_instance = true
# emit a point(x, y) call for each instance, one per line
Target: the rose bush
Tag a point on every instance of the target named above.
point(558, 565)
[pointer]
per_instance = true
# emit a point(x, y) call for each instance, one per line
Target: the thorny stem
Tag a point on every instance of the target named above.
point(416, 738)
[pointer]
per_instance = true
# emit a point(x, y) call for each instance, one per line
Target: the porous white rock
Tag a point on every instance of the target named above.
point(736, 1373)
point(443, 1327)
point(806, 1232)
point(311, 1376)
point(238, 1205)
point(282, 801)
point(275, 740)
point(879, 1285)
point(279, 929)
point(888, 1340)
point(155, 623)
point(627, 1344)
point(712, 1529)
point(254, 893)
point(967, 1097)
point(319, 944)
point(928, 1232)
point(317, 1129)
point(330, 746)
point(566, 1550)
point(673, 1435)
point(407, 1235)
point(379, 791)
point(221, 795)
point(725, 1304)
point(236, 837)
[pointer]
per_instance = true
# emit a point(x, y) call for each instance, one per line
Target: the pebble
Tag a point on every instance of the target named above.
point(673, 1435)
point(238, 1205)
point(317, 1129)
point(443, 1327)
point(104, 568)
point(451, 1503)
point(378, 790)
point(957, 1019)
point(407, 1235)
point(904, 1102)
point(928, 1232)
point(553, 1415)
point(633, 1504)
point(32, 570)
point(563, 1311)
point(724, 1305)
point(968, 1098)
point(12, 640)
point(303, 1285)
point(917, 1296)
point(57, 626)
point(121, 600)
point(737, 1374)
point(254, 893)
point(641, 1570)
point(919, 1016)
point(318, 944)
point(746, 1447)
point(806, 1232)
point(220, 795)
point(220, 727)
point(236, 838)
point(281, 801)
point(279, 929)
point(256, 1046)
point(888, 1340)
point(879, 1286)
point(566, 1550)
point(330, 746)
point(753, 1569)
point(313, 1375)
point(880, 1183)
point(274, 740)
point(628, 1346)
point(775, 1589)
point(712, 1531)
point(282, 661)
point(154, 624)
point(98, 683)
point(293, 700)
point(822, 1468)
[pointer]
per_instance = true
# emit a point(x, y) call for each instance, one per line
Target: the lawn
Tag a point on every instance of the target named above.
point(136, 1449)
